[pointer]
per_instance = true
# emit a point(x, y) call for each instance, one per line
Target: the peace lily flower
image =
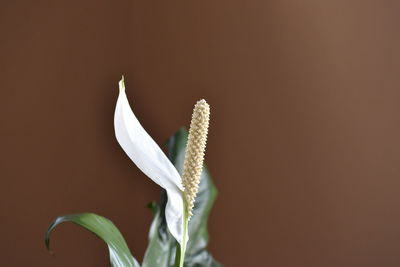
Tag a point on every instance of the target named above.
point(152, 161)
point(181, 191)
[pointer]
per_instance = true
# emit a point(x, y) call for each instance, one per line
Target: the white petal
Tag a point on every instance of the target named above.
point(150, 159)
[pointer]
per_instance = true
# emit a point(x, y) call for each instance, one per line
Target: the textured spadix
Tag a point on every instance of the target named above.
point(195, 148)
point(150, 159)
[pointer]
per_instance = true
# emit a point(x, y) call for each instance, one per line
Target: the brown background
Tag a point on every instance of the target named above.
point(304, 143)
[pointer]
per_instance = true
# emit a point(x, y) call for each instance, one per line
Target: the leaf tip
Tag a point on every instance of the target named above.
point(122, 84)
point(47, 241)
point(152, 206)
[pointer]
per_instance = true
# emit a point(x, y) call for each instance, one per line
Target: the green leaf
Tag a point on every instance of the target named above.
point(120, 256)
point(162, 246)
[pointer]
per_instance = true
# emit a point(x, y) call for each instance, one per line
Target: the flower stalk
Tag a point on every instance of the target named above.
point(193, 166)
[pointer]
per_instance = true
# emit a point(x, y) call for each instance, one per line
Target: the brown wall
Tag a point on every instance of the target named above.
point(304, 143)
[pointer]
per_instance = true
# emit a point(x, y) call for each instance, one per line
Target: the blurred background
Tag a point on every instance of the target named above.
point(304, 140)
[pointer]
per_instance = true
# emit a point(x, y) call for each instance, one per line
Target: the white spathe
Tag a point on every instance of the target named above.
point(150, 159)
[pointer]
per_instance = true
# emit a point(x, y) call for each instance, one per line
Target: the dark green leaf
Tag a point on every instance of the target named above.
point(162, 247)
point(120, 256)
